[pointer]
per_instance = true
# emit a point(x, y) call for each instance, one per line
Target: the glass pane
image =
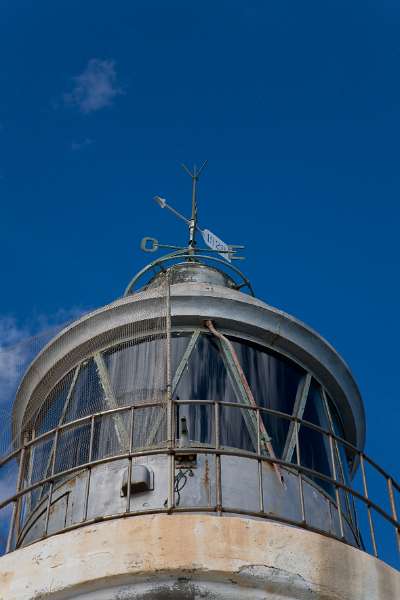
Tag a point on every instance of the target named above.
point(238, 428)
point(273, 379)
point(137, 371)
point(179, 343)
point(149, 426)
point(199, 419)
point(205, 376)
point(39, 462)
point(51, 411)
point(275, 428)
point(210, 374)
point(111, 435)
point(73, 447)
point(87, 396)
point(314, 446)
point(347, 456)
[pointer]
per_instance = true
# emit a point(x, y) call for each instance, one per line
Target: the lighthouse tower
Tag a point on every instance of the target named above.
point(190, 441)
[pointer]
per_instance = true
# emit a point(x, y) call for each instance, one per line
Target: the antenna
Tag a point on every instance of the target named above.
point(214, 243)
point(195, 175)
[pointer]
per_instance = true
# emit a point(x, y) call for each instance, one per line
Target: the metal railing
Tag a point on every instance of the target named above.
point(18, 505)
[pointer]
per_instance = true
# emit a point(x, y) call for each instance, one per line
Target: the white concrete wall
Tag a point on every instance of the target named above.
point(194, 556)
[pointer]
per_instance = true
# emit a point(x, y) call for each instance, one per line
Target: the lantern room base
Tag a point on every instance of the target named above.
point(193, 556)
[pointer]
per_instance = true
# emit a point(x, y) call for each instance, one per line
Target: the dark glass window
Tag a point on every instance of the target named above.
point(205, 377)
point(314, 446)
point(137, 375)
point(73, 447)
point(209, 375)
point(273, 381)
point(87, 396)
point(339, 431)
point(137, 371)
point(50, 414)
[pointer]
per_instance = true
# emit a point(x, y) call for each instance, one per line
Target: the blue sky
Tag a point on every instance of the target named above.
point(294, 104)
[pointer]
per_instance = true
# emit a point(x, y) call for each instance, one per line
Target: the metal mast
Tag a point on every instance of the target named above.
point(195, 175)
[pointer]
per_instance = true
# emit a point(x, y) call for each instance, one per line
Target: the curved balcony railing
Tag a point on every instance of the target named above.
point(364, 513)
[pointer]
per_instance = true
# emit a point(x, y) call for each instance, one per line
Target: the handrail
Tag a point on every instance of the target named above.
point(24, 488)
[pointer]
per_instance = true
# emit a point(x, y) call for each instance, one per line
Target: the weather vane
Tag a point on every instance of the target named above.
point(214, 243)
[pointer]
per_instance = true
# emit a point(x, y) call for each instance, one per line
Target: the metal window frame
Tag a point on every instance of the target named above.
point(300, 402)
point(110, 400)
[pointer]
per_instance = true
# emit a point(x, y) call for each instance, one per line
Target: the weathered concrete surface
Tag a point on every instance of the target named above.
point(194, 556)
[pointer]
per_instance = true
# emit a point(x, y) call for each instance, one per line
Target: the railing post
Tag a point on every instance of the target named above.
point(218, 482)
point(370, 520)
point(299, 474)
point(129, 483)
point(170, 408)
point(337, 495)
point(170, 424)
point(393, 508)
point(89, 470)
point(17, 504)
point(53, 464)
point(259, 461)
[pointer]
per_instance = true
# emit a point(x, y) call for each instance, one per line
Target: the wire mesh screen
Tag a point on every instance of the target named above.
point(131, 369)
point(128, 365)
point(15, 357)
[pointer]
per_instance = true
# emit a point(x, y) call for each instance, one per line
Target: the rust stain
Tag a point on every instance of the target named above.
point(5, 579)
point(207, 481)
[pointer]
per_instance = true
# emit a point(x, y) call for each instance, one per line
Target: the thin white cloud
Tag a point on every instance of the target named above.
point(95, 88)
point(20, 343)
point(75, 146)
point(18, 346)
point(12, 354)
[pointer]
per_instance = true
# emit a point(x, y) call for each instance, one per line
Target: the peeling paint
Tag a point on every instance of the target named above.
point(168, 557)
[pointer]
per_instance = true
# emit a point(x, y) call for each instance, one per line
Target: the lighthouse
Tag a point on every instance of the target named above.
point(190, 441)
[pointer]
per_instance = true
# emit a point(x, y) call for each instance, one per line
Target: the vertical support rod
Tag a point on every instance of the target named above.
point(393, 508)
point(218, 481)
point(170, 421)
point(170, 416)
point(14, 524)
point(30, 470)
point(46, 526)
point(299, 474)
point(192, 224)
point(168, 358)
point(337, 495)
point(89, 470)
point(260, 474)
point(370, 520)
point(129, 484)
point(53, 464)
point(171, 481)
